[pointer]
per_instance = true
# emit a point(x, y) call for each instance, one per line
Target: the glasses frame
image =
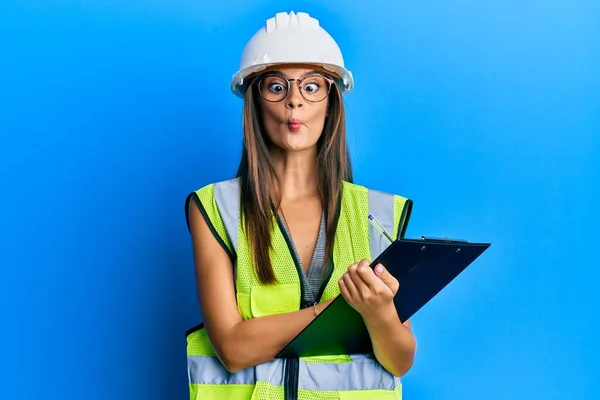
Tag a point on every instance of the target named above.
point(262, 77)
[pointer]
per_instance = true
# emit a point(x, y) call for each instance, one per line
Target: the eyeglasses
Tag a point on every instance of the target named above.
point(314, 87)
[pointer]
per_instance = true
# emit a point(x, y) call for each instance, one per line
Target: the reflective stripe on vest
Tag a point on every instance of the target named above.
point(360, 374)
point(355, 239)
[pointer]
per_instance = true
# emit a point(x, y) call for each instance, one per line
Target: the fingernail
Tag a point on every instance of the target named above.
point(379, 268)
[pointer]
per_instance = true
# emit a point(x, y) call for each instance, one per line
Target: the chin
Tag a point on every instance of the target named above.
point(296, 147)
point(295, 142)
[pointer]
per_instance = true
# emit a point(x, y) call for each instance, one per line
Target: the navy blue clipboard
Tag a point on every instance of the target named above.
point(422, 266)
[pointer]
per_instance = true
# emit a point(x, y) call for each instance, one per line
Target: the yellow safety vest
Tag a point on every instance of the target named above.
point(345, 376)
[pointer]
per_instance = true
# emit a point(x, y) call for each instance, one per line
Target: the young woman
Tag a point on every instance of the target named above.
point(276, 244)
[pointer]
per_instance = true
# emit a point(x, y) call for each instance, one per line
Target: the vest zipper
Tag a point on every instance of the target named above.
point(290, 385)
point(292, 364)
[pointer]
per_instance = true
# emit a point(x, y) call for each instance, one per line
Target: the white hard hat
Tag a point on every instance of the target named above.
point(291, 38)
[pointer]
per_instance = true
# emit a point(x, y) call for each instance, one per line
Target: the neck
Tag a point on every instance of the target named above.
point(296, 173)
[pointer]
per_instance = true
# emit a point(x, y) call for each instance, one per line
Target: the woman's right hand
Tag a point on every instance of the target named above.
point(369, 291)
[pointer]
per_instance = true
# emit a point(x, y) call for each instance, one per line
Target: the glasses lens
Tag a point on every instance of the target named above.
point(315, 87)
point(273, 88)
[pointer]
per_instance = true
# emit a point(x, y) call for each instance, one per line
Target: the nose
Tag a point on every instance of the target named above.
point(294, 99)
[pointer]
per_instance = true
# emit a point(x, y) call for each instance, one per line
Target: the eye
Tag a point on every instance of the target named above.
point(276, 87)
point(311, 87)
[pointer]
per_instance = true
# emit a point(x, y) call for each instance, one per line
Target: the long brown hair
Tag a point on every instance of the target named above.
point(258, 198)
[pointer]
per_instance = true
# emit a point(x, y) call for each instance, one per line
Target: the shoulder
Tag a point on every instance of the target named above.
point(213, 197)
point(208, 190)
point(216, 203)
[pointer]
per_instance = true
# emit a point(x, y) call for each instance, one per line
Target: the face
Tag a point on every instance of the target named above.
point(294, 117)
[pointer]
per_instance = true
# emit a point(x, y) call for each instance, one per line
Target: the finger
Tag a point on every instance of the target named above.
point(353, 273)
point(350, 286)
point(353, 269)
point(368, 278)
point(344, 291)
point(369, 285)
point(386, 277)
point(373, 285)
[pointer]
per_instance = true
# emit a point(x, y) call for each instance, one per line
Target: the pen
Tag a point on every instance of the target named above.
point(380, 228)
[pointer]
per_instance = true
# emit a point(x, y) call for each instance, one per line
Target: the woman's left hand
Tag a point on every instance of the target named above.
point(370, 292)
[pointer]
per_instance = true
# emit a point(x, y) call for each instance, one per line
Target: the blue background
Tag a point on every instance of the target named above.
point(485, 113)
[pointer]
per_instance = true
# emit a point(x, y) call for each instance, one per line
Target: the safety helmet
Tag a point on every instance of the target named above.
point(291, 38)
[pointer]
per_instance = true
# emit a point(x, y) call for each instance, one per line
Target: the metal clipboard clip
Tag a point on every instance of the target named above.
point(443, 240)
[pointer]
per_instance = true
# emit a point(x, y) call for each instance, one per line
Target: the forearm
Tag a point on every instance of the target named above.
point(393, 343)
point(258, 340)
